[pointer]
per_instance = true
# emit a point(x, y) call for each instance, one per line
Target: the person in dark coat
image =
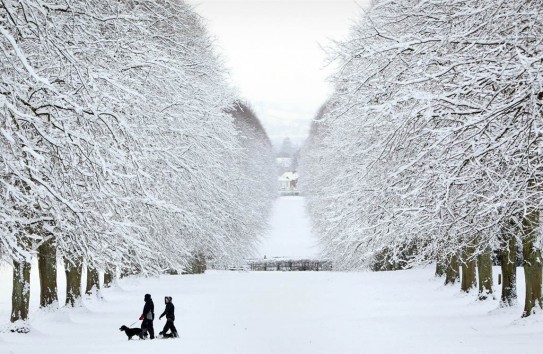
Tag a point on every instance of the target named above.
point(148, 316)
point(170, 317)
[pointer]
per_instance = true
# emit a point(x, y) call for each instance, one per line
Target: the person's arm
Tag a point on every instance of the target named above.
point(164, 313)
point(143, 312)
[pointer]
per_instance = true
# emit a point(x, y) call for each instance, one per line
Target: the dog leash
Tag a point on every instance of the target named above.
point(133, 323)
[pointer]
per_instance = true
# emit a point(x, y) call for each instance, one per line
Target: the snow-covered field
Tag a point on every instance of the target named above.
point(224, 312)
point(290, 232)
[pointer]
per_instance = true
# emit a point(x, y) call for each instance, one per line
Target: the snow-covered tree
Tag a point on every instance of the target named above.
point(116, 145)
point(434, 133)
point(257, 186)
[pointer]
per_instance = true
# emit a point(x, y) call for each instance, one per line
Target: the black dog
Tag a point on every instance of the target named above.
point(130, 332)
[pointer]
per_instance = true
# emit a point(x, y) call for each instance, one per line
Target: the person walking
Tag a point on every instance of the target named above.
point(170, 317)
point(148, 316)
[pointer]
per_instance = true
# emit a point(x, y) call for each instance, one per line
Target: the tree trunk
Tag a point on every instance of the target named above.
point(441, 267)
point(469, 277)
point(452, 273)
point(198, 264)
point(21, 291)
point(47, 266)
point(508, 260)
point(93, 281)
point(73, 282)
point(108, 279)
point(532, 262)
point(125, 272)
point(484, 267)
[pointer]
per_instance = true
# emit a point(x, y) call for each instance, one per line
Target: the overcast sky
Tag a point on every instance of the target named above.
point(272, 49)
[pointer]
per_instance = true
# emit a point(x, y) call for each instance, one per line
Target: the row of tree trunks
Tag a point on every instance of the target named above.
point(532, 262)
point(483, 266)
point(533, 267)
point(47, 266)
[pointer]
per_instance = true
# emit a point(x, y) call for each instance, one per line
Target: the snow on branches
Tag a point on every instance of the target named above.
point(433, 134)
point(115, 138)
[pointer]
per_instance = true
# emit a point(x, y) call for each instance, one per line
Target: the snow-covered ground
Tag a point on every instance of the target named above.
point(290, 233)
point(224, 312)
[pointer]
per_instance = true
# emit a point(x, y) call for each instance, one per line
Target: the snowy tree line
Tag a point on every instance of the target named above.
point(430, 148)
point(119, 150)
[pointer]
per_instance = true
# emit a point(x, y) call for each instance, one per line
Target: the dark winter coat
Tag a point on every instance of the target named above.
point(169, 312)
point(149, 309)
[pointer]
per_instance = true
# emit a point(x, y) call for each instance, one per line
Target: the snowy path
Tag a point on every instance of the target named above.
point(284, 313)
point(290, 233)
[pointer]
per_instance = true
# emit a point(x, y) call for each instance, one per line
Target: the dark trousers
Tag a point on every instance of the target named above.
point(169, 325)
point(147, 326)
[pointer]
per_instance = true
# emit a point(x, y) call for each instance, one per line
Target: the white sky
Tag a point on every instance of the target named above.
point(272, 49)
